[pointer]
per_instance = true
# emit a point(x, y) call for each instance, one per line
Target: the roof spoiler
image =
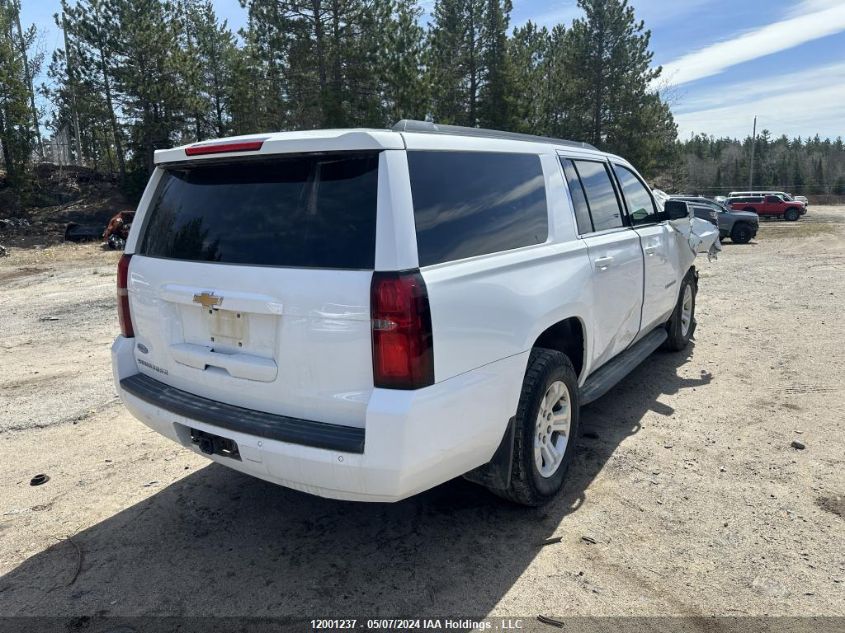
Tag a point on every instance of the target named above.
point(427, 127)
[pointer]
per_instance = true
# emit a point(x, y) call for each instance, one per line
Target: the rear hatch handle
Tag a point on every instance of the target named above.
point(238, 365)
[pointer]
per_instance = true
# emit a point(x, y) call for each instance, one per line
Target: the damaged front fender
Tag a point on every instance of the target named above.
point(700, 236)
point(694, 235)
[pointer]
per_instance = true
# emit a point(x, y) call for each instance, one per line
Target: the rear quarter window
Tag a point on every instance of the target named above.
point(307, 211)
point(476, 203)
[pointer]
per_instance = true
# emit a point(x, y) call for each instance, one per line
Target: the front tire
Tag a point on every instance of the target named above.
point(546, 429)
point(791, 215)
point(741, 233)
point(682, 323)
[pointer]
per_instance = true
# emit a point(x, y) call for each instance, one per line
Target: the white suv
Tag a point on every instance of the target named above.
point(365, 314)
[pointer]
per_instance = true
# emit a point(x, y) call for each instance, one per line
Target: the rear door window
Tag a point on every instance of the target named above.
point(579, 200)
point(306, 211)
point(601, 196)
point(475, 203)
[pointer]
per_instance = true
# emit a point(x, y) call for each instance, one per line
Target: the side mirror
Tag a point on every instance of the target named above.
point(676, 210)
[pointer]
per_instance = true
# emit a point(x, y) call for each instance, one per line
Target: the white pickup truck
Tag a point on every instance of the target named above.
point(365, 314)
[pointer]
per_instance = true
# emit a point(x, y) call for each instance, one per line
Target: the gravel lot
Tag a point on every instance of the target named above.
point(686, 480)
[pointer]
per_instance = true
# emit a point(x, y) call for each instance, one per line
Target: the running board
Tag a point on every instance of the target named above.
point(603, 380)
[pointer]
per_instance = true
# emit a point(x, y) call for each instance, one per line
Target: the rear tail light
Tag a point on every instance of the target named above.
point(123, 314)
point(403, 355)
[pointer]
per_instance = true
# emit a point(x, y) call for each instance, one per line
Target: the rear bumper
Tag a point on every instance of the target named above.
point(412, 440)
point(346, 439)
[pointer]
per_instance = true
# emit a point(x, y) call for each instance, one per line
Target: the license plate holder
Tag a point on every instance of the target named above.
point(227, 327)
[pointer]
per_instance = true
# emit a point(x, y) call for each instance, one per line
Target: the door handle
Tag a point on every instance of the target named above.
point(603, 263)
point(650, 250)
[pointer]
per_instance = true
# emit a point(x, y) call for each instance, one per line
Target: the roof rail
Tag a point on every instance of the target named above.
point(427, 127)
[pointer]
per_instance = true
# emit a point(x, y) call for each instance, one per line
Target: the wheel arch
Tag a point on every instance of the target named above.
point(568, 336)
point(692, 273)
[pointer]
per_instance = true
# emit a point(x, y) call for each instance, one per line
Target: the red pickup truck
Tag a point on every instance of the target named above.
point(769, 206)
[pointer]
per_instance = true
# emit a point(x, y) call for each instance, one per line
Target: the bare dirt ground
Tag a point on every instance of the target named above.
point(686, 496)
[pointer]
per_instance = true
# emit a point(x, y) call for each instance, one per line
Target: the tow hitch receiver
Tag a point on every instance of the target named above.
point(214, 444)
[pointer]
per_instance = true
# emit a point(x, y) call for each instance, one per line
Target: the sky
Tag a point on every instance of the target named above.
point(724, 61)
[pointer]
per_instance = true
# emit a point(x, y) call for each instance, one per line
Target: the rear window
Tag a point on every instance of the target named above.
point(312, 211)
point(475, 203)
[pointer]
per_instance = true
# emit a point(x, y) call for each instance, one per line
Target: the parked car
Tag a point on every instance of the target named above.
point(804, 200)
point(787, 197)
point(740, 226)
point(365, 314)
point(768, 206)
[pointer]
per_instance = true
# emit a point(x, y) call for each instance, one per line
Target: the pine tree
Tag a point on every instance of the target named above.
point(319, 59)
point(447, 63)
point(610, 69)
point(528, 51)
point(92, 27)
point(262, 97)
point(406, 89)
point(25, 39)
point(208, 67)
point(150, 75)
point(564, 114)
point(16, 130)
point(798, 178)
point(819, 181)
point(496, 108)
point(396, 43)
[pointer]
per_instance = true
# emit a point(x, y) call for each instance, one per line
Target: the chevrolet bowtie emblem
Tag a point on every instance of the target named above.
point(208, 300)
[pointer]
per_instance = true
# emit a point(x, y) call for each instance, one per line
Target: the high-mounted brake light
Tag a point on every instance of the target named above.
point(123, 314)
point(225, 147)
point(403, 356)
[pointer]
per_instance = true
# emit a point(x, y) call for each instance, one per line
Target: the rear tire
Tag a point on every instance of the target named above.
point(682, 323)
point(791, 215)
point(741, 233)
point(546, 429)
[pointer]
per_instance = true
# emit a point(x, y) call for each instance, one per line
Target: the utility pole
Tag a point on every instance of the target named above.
point(753, 146)
point(72, 82)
